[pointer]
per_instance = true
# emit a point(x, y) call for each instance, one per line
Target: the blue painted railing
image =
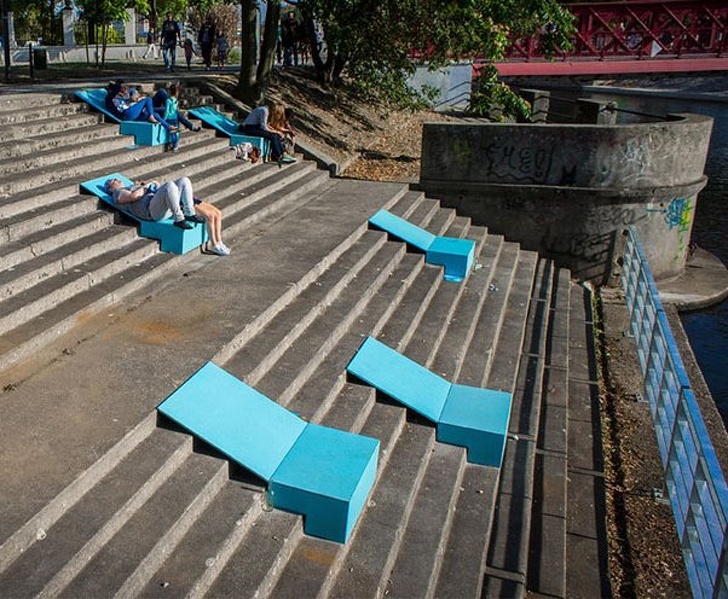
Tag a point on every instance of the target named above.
point(693, 478)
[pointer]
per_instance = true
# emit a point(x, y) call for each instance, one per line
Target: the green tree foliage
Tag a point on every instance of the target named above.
point(98, 16)
point(223, 15)
point(374, 41)
point(37, 20)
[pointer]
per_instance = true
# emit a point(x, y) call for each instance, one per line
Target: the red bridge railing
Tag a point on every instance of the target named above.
point(637, 30)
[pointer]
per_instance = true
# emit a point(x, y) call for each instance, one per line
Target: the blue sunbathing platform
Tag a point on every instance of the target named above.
point(455, 254)
point(321, 473)
point(172, 239)
point(145, 133)
point(470, 417)
point(229, 128)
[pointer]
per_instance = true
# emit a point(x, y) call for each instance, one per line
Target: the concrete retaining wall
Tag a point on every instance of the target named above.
point(60, 54)
point(567, 191)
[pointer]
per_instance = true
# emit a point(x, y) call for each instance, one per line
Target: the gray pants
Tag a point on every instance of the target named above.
point(168, 199)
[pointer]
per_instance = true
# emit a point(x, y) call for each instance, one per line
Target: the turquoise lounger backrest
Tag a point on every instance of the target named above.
point(215, 119)
point(96, 98)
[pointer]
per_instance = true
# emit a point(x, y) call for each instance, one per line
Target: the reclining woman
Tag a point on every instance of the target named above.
point(133, 107)
point(257, 124)
point(152, 201)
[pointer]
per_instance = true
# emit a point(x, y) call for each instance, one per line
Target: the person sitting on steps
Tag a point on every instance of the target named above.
point(152, 201)
point(256, 125)
point(173, 116)
point(280, 122)
point(160, 106)
point(133, 107)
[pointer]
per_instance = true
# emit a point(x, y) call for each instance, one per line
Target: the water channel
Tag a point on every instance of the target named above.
point(707, 329)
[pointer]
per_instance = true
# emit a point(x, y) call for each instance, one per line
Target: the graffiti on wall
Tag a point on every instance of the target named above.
point(678, 215)
point(516, 163)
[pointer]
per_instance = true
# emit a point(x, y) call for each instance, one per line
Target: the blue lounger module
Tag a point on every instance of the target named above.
point(322, 473)
point(172, 239)
point(455, 254)
point(145, 134)
point(229, 128)
point(470, 417)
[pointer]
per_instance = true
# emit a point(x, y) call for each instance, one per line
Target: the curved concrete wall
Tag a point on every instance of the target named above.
point(567, 191)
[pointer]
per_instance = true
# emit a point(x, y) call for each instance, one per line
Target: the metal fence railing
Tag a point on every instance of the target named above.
point(693, 478)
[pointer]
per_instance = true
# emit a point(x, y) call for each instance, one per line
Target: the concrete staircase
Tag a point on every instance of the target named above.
point(102, 498)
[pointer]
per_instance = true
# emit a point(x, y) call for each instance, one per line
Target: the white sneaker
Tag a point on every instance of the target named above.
point(221, 249)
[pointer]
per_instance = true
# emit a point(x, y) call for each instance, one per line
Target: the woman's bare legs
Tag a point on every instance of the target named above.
point(213, 216)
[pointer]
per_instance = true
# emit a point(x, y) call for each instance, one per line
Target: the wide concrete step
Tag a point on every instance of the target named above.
point(361, 263)
point(69, 256)
point(12, 102)
point(19, 308)
point(91, 522)
point(151, 530)
point(33, 245)
point(55, 147)
point(105, 161)
point(298, 357)
point(32, 135)
point(63, 153)
point(29, 114)
point(83, 298)
point(146, 564)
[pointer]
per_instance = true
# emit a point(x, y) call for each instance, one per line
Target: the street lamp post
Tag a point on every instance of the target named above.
point(6, 36)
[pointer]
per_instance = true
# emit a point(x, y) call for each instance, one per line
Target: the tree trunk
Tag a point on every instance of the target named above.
point(153, 15)
point(268, 48)
point(247, 79)
point(318, 61)
point(104, 42)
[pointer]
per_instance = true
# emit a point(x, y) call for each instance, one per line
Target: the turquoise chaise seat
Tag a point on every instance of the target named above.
point(322, 473)
point(145, 133)
point(455, 254)
point(470, 417)
point(172, 239)
point(229, 128)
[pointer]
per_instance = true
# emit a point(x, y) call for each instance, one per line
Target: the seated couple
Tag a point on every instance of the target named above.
point(127, 104)
point(152, 201)
point(269, 121)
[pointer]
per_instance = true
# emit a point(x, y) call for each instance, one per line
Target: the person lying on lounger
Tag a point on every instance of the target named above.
point(154, 201)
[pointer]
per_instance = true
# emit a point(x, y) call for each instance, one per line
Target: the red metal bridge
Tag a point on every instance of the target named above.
point(631, 37)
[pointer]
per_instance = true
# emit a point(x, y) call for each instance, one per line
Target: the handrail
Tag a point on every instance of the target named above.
point(693, 478)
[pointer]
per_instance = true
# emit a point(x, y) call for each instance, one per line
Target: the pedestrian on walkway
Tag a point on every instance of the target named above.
point(289, 39)
point(171, 35)
point(151, 45)
point(189, 51)
point(206, 38)
point(222, 50)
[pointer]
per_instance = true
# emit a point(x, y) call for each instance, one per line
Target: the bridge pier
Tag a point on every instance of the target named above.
point(569, 191)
